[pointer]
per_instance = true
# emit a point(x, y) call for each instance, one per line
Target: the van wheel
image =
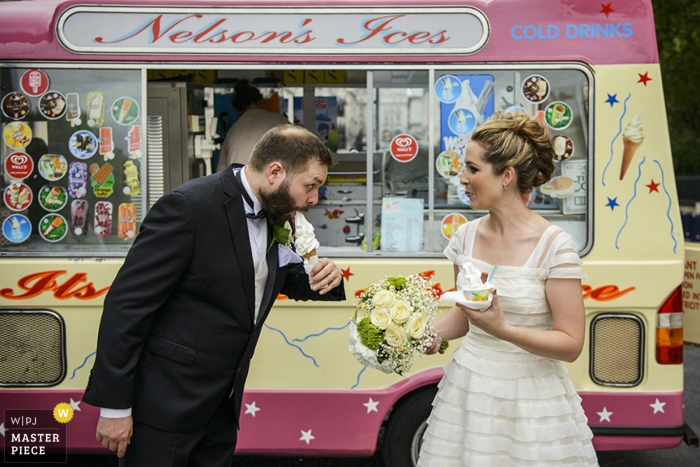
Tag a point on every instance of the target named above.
point(403, 435)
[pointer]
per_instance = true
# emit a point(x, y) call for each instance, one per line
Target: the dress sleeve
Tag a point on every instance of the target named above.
point(563, 259)
point(455, 249)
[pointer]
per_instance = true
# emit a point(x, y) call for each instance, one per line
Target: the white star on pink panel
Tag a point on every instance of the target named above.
point(371, 405)
point(306, 436)
point(658, 406)
point(251, 409)
point(605, 415)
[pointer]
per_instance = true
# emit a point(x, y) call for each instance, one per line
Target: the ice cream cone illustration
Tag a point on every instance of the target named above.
point(632, 138)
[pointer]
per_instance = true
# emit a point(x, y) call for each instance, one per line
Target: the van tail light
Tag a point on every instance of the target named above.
point(669, 330)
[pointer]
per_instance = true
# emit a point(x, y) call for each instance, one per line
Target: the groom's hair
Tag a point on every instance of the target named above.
point(292, 146)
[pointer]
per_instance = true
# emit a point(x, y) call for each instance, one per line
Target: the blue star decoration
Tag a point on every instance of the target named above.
point(612, 100)
point(612, 203)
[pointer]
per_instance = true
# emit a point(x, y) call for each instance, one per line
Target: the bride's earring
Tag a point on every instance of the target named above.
point(505, 187)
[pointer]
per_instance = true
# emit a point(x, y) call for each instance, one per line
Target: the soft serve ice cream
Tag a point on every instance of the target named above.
point(632, 137)
point(473, 283)
point(305, 243)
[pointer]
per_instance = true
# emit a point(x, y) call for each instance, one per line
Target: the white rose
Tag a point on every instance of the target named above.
point(361, 314)
point(383, 299)
point(395, 336)
point(380, 317)
point(401, 311)
point(416, 325)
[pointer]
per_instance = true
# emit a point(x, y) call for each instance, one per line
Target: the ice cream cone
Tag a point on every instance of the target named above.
point(310, 254)
point(630, 147)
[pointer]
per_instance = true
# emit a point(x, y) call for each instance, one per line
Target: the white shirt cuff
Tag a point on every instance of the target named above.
point(114, 413)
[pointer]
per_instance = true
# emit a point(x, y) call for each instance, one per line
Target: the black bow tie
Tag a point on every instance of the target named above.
point(258, 215)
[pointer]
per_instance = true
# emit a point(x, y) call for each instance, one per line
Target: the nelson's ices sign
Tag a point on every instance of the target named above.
point(303, 31)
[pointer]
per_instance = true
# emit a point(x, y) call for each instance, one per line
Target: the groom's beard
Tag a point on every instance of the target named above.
point(279, 204)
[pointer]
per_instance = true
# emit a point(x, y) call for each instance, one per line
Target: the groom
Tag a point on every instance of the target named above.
point(184, 314)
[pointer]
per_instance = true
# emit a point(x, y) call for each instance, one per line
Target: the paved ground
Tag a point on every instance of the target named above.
point(682, 456)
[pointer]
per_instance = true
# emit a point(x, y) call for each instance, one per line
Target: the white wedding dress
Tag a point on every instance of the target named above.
point(499, 405)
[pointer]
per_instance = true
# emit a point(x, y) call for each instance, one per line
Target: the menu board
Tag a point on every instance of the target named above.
point(72, 178)
point(402, 225)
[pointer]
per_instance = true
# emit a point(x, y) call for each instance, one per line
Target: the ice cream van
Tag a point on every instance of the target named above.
point(106, 106)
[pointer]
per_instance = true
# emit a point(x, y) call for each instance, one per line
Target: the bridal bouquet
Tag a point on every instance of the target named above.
point(393, 318)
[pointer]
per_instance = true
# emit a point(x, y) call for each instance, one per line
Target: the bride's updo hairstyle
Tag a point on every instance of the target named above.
point(518, 141)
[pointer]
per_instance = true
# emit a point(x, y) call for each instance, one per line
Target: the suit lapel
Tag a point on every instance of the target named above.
point(238, 226)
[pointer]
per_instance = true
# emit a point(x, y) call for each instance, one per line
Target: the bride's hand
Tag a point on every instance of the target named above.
point(490, 320)
point(435, 346)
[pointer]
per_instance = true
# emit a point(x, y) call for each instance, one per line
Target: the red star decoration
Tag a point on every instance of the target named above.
point(653, 186)
point(607, 9)
point(346, 273)
point(644, 78)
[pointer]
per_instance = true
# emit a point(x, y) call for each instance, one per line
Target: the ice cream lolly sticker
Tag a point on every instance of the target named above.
point(102, 180)
point(132, 186)
point(558, 187)
point(73, 109)
point(461, 121)
point(449, 164)
point(17, 135)
point(563, 148)
point(52, 105)
point(95, 109)
point(18, 196)
point(125, 111)
point(127, 221)
point(77, 179)
point(34, 82)
point(134, 141)
point(52, 167)
point(16, 228)
point(535, 88)
point(450, 223)
point(53, 228)
point(558, 115)
point(52, 198)
point(106, 143)
point(448, 89)
point(78, 217)
point(103, 219)
point(15, 106)
point(83, 144)
point(19, 165)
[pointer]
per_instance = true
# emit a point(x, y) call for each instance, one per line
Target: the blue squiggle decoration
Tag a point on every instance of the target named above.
point(627, 206)
point(83, 364)
point(322, 333)
point(668, 210)
point(352, 388)
point(619, 131)
point(294, 345)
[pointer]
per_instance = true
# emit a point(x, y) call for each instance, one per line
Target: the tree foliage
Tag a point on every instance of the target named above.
point(678, 38)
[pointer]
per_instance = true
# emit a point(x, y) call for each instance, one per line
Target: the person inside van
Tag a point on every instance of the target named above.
point(253, 121)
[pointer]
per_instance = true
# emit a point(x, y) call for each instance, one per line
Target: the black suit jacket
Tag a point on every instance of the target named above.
point(177, 332)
